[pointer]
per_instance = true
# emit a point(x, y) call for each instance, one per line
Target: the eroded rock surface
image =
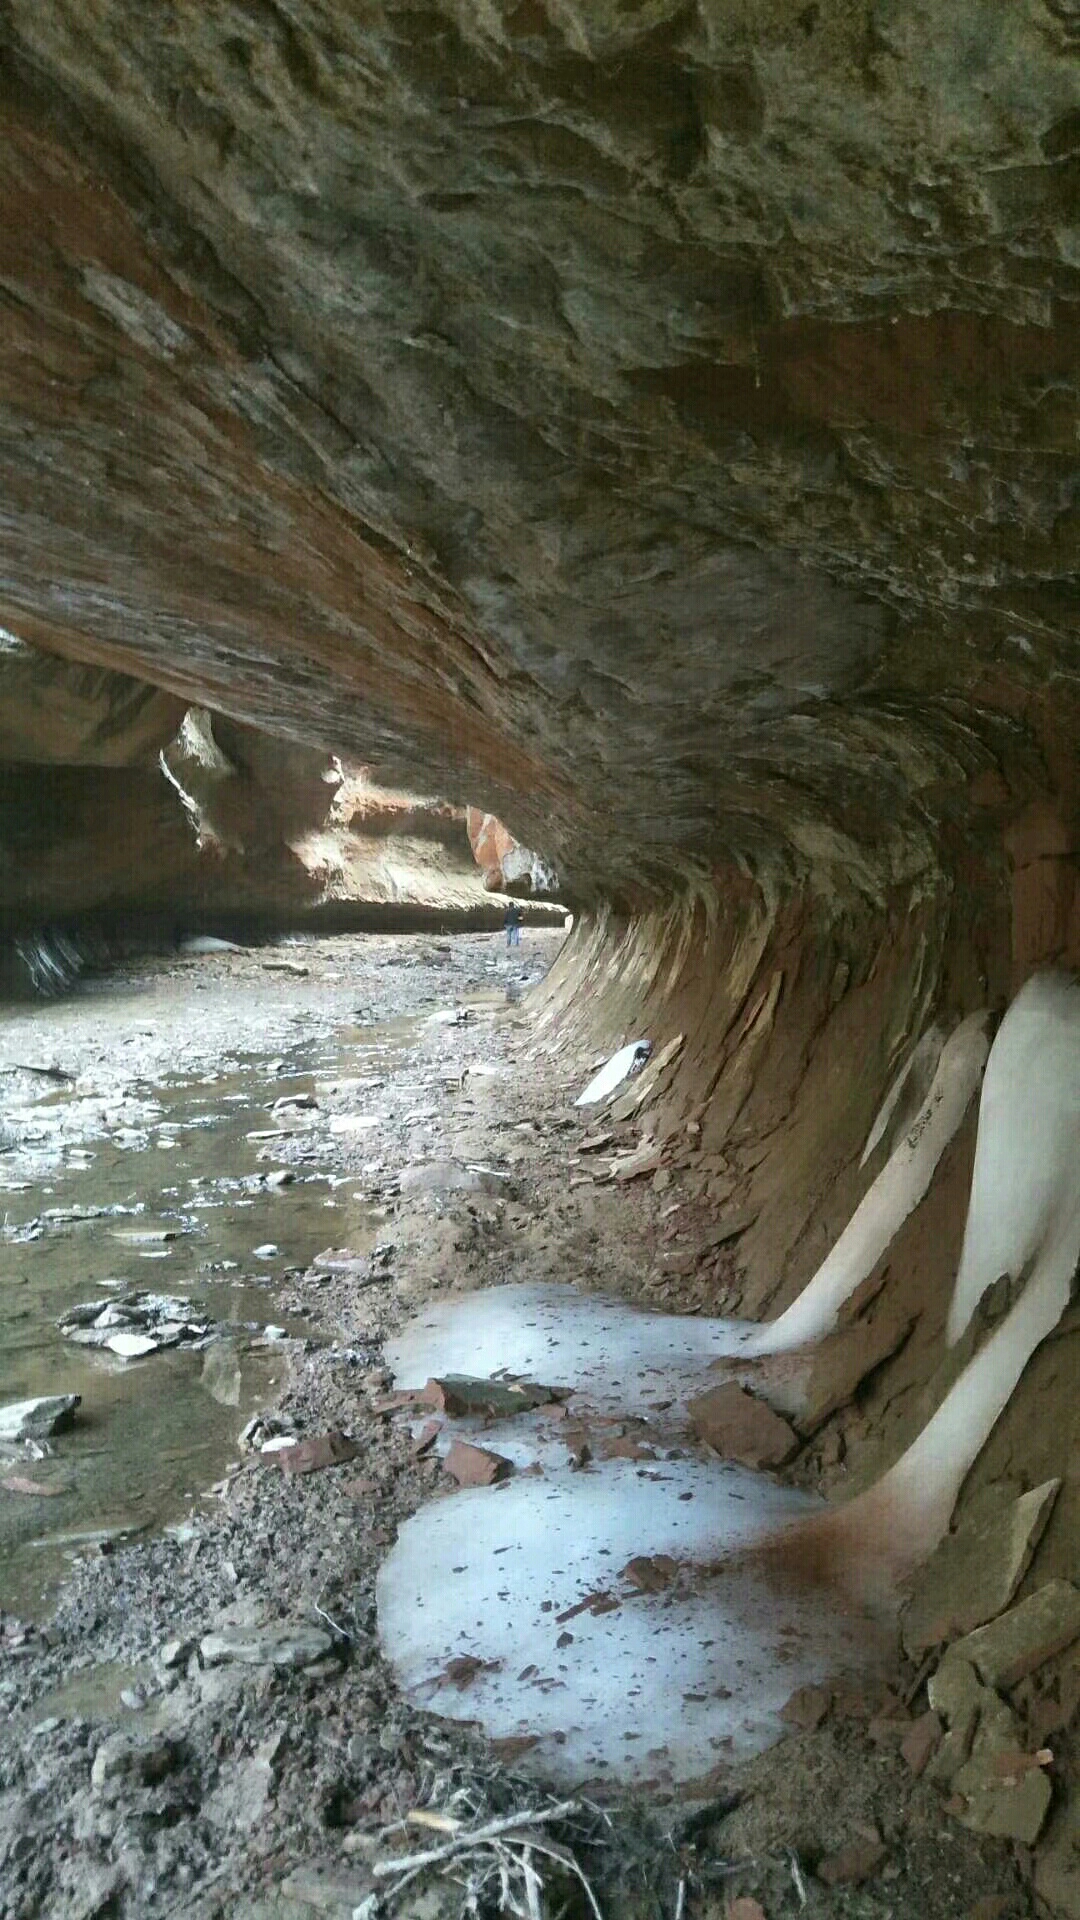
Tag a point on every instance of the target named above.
point(654, 425)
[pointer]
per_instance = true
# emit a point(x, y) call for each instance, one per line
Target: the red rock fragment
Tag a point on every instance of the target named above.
point(513, 1745)
point(889, 1729)
point(858, 1861)
point(745, 1909)
point(476, 1466)
point(651, 1572)
point(594, 1603)
point(1011, 1765)
point(623, 1447)
point(807, 1708)
point(920, 1742)
point(738, 1427)
point(322, 1450)
point(463, 1669)
point(460, 1396)
point(18, 1483)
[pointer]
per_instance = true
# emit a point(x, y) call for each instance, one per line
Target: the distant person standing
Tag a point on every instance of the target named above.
point(513, 925)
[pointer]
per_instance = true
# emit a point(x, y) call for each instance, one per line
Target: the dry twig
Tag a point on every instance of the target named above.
point(478, 1836)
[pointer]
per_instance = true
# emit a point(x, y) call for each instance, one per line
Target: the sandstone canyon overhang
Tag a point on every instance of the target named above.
point(658, 425)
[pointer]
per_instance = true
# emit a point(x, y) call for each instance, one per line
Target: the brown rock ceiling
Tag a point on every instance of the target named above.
point(657, 423)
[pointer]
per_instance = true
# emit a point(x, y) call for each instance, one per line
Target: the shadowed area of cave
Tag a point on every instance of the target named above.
point(624, 458)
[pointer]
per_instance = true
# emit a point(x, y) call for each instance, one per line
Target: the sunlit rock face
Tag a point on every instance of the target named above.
point(507, 866)
point(658, 425)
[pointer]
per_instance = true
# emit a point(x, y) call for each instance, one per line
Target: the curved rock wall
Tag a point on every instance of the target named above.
point(657, 426)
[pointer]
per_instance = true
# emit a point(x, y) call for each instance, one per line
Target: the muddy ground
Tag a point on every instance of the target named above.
point(143, 1773)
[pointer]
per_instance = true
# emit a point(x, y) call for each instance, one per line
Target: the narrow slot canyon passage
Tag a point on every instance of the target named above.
point(539, 950)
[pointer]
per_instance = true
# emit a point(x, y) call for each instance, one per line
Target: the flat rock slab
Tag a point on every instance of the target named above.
point(322, 1450)
point(1022, 1639)
point(37, 1419)
point(740, 1428)
point(645, 1160)
point(280, 1646)
point(447, 1176)
point(999, 1791)
point(19, 1483)
point(840, 1364)
point(459, 1396)
point(476, 1466)
point(921, 1742)
point(327, 1887)
point(975, 1572)
point(1006, 1806)
point(807, 1708)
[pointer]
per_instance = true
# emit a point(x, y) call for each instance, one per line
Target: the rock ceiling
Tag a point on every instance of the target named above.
point(658, 423)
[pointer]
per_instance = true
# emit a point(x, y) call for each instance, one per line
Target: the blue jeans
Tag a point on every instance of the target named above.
point(513, 936)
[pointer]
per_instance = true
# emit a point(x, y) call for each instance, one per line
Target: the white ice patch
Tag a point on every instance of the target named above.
point(1025, 1188)
point(663, 1685)
point(896, 1192)
point(615, 1356)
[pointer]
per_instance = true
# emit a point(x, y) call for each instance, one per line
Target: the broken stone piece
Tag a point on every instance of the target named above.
point(463, 1668)
point(975, 1572)
point(175, 1653)
point(644, 1159)
point(1022, 1639)
point(956, 1693)
point(1010, 1808)
point(651, 1572)
point(343, 1261)
point(141, 1759)
point(858, 1861)
point(272, 1646)
point(738, 1427)
point(842, 1362)
point(807, 1708)
point(131, 1346)
point(921, 1742)
point(460, 1396)
point(38, 1419)
point(732, 1228)
point(321, 1450)
point(475, 1466)
point(324, 1887)
point(1009, 1802)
